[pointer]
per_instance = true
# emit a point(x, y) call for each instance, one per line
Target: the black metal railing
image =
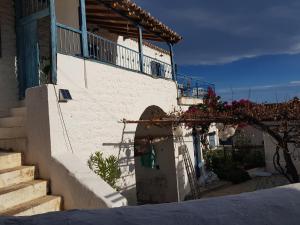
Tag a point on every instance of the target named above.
point(157, 68)
point(69, 42)
point(110, 52)
point(193, 87)
point(32, 6)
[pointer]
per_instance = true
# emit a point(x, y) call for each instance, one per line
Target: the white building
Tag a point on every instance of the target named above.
point(103, 53)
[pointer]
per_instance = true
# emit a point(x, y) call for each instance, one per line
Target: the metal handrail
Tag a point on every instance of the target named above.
point(62, 26)
point(194, 87)
point(110, 52)
point(97, 36)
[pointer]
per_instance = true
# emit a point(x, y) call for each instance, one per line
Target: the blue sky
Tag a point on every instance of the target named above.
point(247, 48)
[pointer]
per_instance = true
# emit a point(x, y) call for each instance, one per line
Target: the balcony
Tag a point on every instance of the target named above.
point(96, 30)
point(109, 52)
point(192, 90)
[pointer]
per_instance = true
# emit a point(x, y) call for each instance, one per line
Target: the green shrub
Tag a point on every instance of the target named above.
point(106, 168)
point(225, 167)
point(254, 159)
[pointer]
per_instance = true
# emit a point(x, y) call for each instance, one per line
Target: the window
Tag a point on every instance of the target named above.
point(157, 69)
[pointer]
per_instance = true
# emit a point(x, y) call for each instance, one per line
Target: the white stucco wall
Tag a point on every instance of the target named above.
point(48, 149)
point(275, 206)
point(102, 96)
point(8, 78)
point(270, 148)
point(249, 134)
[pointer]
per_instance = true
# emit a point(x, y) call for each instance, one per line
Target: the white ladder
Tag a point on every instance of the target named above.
point(190, 170)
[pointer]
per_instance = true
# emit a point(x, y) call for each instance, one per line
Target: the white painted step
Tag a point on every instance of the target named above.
point(12, 121)
point(16, 175)
point(17, 144)
point(10, 160)
point(38, 206)
point(18, 111)
point(18, 194)
point(12, 132)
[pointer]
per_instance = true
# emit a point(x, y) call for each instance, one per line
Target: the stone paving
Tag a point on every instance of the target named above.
point(257, 183)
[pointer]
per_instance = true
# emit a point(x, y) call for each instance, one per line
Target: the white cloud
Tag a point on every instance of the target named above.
point(295, 82)
point(260, 88)
point(219, 32)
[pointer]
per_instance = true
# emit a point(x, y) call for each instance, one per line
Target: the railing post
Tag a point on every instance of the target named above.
point(172, 62)
point(53, 43)
point(18, 7)
point(141, 53)
point(84, 37)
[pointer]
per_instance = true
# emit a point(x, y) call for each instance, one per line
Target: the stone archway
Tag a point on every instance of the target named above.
point(155, 167)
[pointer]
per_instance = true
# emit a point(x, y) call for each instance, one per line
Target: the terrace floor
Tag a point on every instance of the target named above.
point(257, 183)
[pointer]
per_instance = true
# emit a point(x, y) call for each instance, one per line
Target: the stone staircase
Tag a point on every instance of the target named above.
point(20, 193)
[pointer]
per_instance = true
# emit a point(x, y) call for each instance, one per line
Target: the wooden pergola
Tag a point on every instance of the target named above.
point(124, 17)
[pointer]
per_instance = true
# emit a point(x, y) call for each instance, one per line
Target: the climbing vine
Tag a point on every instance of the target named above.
point(281, 121)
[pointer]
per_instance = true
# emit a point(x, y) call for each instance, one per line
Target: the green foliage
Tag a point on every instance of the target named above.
point(254, 159)
point(225, 167)
point(106, 168)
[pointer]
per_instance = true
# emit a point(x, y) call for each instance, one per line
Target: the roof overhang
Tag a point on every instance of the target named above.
point(122, 17)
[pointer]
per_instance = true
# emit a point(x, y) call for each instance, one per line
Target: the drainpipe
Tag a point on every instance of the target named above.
point(141, 53)
point(172, 62)
point(197, 152)
point(84, 36)
point(53, 43)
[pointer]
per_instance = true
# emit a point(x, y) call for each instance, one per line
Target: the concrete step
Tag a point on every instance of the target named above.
point(22, 103)
point(18, 111)
point(20, 193)
point(12, 122)
point(12, 132)
point(10, 160)
point(16, 175)
point(38, 206)
point(17, 144)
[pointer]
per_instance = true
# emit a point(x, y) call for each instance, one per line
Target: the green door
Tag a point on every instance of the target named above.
point(28, 52)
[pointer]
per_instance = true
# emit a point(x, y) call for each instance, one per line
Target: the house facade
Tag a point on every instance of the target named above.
point(103, 55)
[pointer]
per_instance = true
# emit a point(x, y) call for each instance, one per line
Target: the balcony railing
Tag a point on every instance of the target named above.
point(103, 50)
point(110, 52)
point(193, 87)
point(157, 68)
point(68, 41)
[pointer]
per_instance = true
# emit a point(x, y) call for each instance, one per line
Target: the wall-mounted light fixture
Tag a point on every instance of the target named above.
point(64, 95)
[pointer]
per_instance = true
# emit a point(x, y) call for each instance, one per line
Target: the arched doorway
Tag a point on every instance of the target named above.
point(155, 167)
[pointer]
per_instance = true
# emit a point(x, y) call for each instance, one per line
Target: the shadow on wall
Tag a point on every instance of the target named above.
point(155, 169)
point(127, 185)
point(148, 162)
